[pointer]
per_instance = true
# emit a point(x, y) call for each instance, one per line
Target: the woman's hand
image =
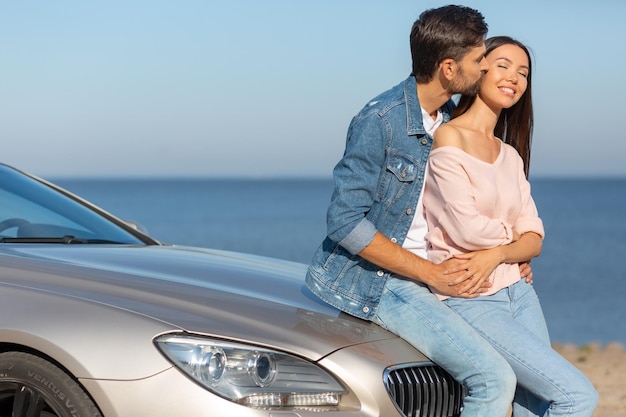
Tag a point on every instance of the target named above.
point(478, 266)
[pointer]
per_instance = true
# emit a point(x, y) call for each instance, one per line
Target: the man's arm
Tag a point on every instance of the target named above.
point(393, 257)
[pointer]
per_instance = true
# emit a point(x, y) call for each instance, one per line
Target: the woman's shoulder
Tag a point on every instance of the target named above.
point(448, 135)
point(509, 151)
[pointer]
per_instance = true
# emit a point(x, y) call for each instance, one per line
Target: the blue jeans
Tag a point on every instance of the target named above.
point(412, 312)
point(512, 321)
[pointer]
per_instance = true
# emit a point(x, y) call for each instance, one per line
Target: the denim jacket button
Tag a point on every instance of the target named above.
point(409, 211)
point(366, 309)
point(424, 141)
point(393, 239)
point(380, 272)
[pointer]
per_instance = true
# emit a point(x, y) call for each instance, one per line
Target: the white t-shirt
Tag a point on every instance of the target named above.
point(416, 237)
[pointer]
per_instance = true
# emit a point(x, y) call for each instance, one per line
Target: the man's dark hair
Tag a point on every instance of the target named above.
point(442, 33)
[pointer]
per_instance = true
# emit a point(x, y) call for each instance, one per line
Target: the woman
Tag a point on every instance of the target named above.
point(477, 198)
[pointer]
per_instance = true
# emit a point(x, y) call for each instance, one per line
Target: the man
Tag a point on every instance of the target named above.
point(373, 262)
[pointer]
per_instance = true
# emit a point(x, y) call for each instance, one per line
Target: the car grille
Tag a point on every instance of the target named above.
point(424, 391)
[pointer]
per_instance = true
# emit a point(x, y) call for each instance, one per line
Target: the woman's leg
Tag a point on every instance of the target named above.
point(512, 321)
point(412, 312)
point(528, 312)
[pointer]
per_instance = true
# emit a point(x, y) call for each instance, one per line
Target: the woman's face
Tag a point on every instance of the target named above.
point(507, 78)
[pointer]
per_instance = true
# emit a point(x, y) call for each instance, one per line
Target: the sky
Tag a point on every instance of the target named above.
point(249, 88)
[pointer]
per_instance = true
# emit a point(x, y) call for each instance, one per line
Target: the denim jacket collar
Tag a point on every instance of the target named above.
point(414, 120)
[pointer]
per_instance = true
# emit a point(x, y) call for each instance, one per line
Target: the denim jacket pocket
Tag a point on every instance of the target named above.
point(401, 171)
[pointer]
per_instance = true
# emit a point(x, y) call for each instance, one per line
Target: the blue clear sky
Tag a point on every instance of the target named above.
point(158, 88)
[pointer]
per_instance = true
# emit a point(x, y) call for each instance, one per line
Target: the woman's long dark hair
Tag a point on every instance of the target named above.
point(515, 124)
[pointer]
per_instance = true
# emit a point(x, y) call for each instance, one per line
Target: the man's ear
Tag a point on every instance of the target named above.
point(449, 68)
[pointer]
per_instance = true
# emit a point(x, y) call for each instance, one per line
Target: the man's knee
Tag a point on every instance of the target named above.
point(498, 379)
point(506, 380)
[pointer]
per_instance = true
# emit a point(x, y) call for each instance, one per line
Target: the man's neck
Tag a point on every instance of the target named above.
point(432, 96)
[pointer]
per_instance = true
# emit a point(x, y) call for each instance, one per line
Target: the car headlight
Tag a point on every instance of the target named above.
point(250, 375)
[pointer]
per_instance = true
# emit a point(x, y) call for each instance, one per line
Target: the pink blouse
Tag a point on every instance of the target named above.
point(471, 205)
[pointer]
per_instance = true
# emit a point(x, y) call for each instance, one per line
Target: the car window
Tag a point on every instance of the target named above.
point(31, 210)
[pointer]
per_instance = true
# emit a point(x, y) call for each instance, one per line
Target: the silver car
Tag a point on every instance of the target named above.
point(99, 319)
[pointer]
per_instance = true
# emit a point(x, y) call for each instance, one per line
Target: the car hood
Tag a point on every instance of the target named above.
point(223, 294)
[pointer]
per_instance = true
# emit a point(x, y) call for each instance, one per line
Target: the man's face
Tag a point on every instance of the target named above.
point(470, 72)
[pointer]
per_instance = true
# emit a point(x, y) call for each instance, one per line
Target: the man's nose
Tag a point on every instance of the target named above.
point(484, 65)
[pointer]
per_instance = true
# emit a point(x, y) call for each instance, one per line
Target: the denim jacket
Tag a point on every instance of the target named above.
point(377, 186)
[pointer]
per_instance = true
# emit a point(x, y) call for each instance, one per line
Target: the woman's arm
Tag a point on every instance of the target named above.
point(526, 247)
point(481, 264)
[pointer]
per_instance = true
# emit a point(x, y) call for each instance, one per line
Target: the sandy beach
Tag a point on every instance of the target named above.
point(605, 366)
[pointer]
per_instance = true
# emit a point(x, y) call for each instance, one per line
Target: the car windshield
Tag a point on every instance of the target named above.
point(34, 212)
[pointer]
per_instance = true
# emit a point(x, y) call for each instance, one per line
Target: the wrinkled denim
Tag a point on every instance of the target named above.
point(512, 321)
point(412, 312)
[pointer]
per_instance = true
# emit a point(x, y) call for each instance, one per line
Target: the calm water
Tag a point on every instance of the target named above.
point(580, 276)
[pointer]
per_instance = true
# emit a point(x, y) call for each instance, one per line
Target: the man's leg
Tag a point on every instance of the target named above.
point(412, 312)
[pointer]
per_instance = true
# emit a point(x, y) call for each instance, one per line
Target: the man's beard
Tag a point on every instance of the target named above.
point(460, 84)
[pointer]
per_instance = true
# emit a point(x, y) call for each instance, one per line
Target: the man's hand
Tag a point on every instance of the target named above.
point(452, 278)
point(526, 271)
point(478, 267)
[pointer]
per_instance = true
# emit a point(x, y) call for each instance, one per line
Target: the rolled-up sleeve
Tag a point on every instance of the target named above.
point(356, 179)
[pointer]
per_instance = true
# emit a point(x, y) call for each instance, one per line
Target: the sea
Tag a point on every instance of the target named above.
point(580, 276)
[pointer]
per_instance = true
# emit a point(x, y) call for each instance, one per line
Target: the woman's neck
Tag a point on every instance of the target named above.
point(481, 117)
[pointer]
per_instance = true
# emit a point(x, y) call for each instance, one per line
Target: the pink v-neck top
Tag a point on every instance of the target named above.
point(471, 205)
